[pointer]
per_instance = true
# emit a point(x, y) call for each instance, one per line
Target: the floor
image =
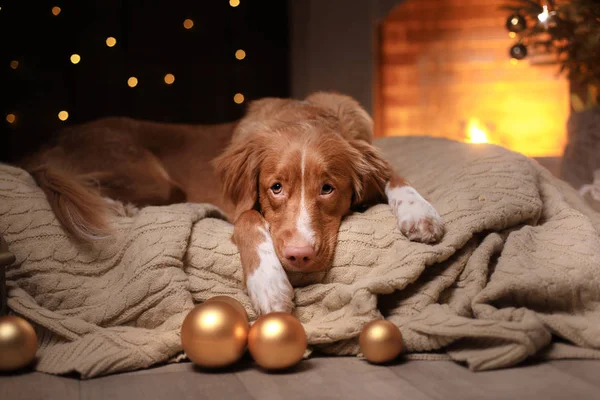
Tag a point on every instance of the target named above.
point(321, 378)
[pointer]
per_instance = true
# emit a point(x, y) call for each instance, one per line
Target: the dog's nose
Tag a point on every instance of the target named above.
point(299, 256)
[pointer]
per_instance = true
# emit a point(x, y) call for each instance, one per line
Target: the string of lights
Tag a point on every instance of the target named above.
point(132, 81)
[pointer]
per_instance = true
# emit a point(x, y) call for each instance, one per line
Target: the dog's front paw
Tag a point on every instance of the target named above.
point(268, 285)
point(416, 218)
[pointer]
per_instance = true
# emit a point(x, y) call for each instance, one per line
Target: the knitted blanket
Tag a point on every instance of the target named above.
point(516, 275)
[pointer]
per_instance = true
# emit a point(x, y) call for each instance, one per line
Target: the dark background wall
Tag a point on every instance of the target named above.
point(151, 42)
point(293, 48)
point(334, 46)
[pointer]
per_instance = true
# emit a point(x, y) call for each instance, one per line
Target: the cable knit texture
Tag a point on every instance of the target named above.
point(516, 275)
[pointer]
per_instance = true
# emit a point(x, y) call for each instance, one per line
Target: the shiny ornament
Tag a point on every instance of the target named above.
point(548, 18)
point(18, 343)
point(518, 51)
point(277, 341)
point(214, 334)
point(230, 300)
point(516, 23)
point(380, 341)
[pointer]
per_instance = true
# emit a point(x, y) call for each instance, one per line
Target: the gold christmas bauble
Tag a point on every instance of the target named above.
point(277, 340)
point(380, 341)
point(18, 343)
point(230, 300)
point(214, 334)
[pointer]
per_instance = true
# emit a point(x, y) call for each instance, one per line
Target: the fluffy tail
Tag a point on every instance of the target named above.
point(78, 206)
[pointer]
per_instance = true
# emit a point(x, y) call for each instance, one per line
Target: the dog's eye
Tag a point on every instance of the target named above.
point(326, 189)
point(276, 188)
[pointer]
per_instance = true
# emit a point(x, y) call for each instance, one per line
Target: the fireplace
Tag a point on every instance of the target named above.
point(444, 70)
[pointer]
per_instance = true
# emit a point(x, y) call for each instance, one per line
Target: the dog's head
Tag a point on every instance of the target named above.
point(303, 165)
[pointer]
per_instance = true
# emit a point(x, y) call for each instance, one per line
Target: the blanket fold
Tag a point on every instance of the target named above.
point(516, 275)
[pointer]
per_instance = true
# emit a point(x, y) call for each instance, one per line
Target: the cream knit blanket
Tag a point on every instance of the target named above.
point(516, 275)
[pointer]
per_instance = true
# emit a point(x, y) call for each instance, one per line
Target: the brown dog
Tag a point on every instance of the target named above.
point(290, 171)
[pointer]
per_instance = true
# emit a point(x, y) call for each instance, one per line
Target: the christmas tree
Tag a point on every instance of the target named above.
point(569, 29)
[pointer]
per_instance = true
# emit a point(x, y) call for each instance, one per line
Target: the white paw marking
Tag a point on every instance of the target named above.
point(416, 218)
point(268, 285)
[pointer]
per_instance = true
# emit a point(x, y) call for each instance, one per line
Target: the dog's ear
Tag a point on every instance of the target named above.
point(371, 172)
point(354, 123)
point(238, 168)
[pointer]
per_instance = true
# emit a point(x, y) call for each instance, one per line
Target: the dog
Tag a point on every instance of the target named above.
point(289, 172)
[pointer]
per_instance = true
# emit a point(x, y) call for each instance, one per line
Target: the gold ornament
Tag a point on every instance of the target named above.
point(18, 343)
point(277, 340)
point(214, 334)
point(380, 341)
point(230, 300)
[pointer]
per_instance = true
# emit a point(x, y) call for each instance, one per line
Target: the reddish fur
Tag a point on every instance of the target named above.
point(138, 162)
point(151, 164)
point(76, 204)
point(335, 134)
point(398, 181)
point(148, 163)
point(247, 235)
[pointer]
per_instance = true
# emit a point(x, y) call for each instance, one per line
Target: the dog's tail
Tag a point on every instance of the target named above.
point(76, 203)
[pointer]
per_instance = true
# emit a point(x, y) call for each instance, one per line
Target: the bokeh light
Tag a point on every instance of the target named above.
point(240, 54)
point(169, 79)
point(238, 98)
point(63, 115)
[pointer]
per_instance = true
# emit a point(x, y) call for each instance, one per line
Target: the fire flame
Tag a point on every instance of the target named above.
point(476, 132)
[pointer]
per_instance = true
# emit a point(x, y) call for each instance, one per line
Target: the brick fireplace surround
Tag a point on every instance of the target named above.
point(337, 45)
